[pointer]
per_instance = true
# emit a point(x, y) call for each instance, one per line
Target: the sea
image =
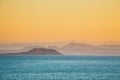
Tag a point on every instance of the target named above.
point(35, 67)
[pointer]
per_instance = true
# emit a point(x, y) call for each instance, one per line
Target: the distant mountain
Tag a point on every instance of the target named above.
point(36, 51)
point(43, 51)
point(10, 51)
point(72, 48)
point(27, 48)
point(31, 47)
point(110, 47)
point(80, 48)
point(76, 48)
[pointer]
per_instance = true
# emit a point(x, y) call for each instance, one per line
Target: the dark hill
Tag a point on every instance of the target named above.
point(37, 51)
point(43, 51)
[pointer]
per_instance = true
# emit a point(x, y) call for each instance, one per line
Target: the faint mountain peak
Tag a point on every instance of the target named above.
point(74, 44)
point(31, 47)
point(36, 49)
point(52, 47)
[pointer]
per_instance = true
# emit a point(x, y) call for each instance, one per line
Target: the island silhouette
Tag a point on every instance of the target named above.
point(36, 51)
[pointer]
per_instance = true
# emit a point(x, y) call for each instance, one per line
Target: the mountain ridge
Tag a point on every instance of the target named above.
point(76, 48)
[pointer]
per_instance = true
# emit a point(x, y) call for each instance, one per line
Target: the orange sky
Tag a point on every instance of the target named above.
point(59, 20)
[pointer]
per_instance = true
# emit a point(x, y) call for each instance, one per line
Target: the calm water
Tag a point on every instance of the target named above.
point(59, 68)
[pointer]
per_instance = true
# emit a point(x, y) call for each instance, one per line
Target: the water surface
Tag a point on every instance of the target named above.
point(59, 68)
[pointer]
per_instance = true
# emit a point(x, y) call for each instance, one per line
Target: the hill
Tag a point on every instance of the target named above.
point(37, 51)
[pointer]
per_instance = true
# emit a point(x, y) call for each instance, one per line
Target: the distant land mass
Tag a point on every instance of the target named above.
point(86, 49)
point(72, 48)
point(36, 51)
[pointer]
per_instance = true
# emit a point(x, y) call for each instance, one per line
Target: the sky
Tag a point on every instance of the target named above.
point(34, 21)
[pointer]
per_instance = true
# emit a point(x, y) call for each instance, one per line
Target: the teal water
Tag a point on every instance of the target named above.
point(59, 68)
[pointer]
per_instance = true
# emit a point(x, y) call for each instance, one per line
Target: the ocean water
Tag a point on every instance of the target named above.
point(59, 68)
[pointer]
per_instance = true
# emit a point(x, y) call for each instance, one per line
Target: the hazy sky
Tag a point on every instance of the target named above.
point(59, 20)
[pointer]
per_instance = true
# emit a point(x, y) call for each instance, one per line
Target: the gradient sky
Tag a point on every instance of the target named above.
point(59, 20)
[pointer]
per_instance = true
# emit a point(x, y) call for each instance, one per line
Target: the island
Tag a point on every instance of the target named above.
point(36, 51)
